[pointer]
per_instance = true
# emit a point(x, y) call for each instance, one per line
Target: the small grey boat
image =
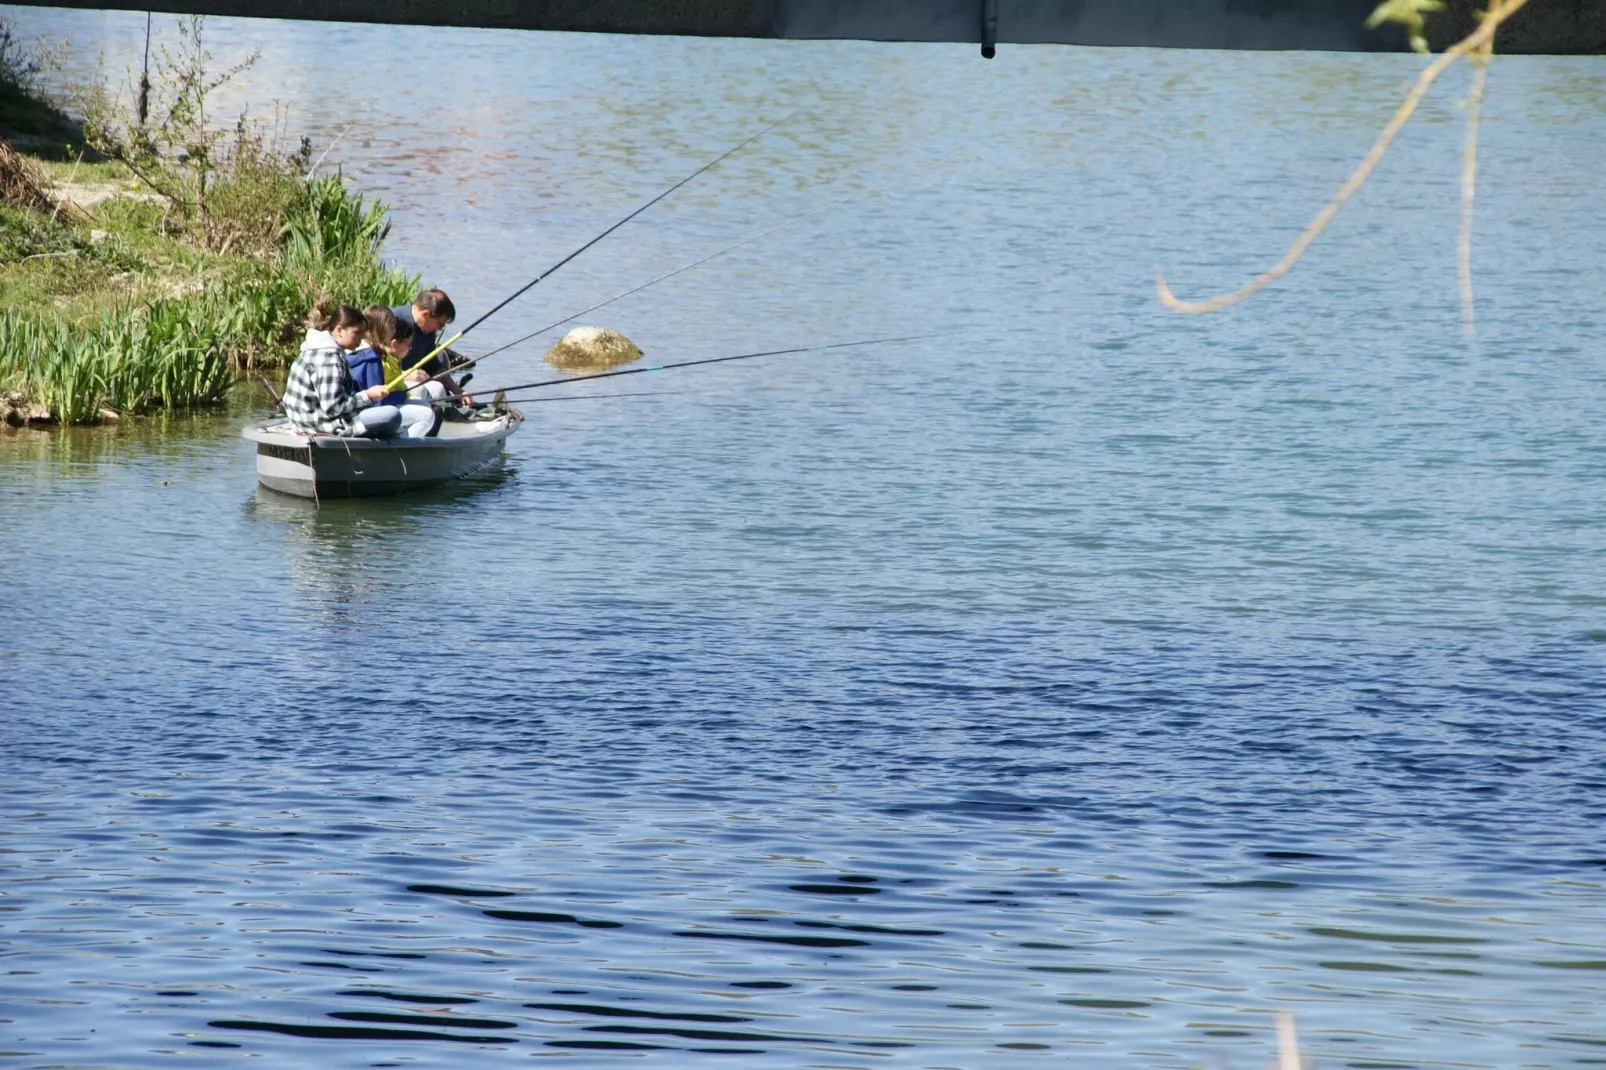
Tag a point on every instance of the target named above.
point(334, 466)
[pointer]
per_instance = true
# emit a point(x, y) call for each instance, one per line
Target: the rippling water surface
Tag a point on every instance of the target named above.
point(1074, 688)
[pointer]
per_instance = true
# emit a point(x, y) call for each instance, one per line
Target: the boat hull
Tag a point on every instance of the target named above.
point(328, 466)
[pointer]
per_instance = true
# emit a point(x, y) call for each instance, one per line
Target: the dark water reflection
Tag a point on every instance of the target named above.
point(1081, 688)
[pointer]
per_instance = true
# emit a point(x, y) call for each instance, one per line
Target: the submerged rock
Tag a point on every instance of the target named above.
point(17, 409)
point(592, 349)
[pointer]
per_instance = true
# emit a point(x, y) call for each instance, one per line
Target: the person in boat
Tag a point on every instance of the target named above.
point(320, 396)
point(383, 334)
point(375, 364)
point(428, 315)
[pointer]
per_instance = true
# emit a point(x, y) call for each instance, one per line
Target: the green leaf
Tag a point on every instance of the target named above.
point(1408, 13)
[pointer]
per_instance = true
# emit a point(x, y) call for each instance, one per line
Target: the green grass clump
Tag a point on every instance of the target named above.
point(133, 349)
point(138, 358)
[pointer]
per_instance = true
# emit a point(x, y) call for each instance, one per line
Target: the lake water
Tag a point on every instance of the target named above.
point(1074, 688)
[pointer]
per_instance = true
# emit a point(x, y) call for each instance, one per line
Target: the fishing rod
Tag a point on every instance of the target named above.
point(471, 361)
point(588, 397)
point(706, 360)
point(531, 284)
point(705, 167)
point(650, 282)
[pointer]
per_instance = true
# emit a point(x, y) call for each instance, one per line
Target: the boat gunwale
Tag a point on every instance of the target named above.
point(259, 433)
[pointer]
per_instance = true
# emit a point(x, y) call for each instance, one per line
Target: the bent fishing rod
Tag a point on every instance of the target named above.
point(521, 291)
point(692, 363)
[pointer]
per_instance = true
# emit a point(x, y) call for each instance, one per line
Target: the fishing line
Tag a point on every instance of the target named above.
point(706, 360)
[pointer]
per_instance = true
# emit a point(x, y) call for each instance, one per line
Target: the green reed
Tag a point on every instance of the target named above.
point(129, 360)
point(334, 226)
point(187, 351)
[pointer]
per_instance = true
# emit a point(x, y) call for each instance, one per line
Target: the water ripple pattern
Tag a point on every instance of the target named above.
point(1073, 688)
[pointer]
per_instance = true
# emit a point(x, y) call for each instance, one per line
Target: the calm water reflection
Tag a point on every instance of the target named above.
point(1076, 687)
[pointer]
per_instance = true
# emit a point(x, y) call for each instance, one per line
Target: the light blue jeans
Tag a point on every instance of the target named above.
point(386, 421)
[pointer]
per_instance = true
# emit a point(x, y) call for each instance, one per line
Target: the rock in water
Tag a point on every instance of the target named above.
point(592, 349)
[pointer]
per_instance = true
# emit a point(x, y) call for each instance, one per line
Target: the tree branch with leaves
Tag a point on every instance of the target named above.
point(174, 149)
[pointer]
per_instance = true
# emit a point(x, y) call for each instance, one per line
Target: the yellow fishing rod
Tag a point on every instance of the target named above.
point(396, 383)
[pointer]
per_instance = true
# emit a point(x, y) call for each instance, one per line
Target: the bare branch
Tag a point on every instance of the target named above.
point(1477, 39)
point(1469, 179)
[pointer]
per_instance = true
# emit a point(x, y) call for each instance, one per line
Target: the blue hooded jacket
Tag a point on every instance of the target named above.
point(367, 369)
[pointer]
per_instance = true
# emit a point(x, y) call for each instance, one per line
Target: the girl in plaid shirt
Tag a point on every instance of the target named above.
point(320, 396)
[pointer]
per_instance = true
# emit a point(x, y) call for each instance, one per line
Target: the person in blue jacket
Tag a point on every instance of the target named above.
point(386, 335)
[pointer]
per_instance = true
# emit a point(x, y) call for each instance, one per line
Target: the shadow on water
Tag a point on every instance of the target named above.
point(70, 449)
point(346, 523)
point(353, 548)
point(161, 435)
point(333, 517)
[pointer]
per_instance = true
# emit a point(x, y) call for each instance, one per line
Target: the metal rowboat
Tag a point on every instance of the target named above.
point(334, 466)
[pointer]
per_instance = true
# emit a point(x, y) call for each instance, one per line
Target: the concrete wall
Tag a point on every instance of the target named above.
point(1543, 26)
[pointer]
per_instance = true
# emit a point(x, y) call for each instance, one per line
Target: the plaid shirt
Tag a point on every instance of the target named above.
point(320, 394)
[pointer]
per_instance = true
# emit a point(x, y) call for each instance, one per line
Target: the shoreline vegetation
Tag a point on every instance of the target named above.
point(148, 258)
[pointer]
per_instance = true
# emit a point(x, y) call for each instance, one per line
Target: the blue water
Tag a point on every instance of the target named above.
point(1075, 687)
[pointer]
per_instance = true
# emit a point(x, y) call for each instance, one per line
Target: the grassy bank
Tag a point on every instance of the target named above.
point(153, 274)
point(107, 316)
